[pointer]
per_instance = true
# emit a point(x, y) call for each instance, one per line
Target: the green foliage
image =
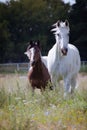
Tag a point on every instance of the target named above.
point(23, 20)
point(77, 17)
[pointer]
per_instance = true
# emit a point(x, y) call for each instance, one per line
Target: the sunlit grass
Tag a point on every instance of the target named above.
point(19, 110)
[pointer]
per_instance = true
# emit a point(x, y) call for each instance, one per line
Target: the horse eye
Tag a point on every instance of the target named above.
point(58, 34)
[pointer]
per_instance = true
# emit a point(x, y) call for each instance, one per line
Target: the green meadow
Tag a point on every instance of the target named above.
point(20, 110)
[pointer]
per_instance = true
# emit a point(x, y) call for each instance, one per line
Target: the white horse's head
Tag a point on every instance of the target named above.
point(62, 35)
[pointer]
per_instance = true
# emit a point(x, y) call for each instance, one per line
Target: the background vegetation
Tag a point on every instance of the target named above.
point(23, 20)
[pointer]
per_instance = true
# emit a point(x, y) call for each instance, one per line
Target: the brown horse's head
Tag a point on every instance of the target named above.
point(33, 52)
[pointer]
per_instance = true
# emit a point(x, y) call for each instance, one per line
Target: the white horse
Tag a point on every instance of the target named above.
point(44, 60)
point(63, 59)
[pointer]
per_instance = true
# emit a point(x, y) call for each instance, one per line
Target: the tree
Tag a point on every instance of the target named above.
point(26, 20)
point(4, 35)
point(77, 16)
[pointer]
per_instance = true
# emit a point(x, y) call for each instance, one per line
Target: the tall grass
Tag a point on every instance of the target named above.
point(19, 110)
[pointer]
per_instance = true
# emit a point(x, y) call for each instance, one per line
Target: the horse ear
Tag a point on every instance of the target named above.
point(38, 43)
point(66, 23)
point(58, 23)
point(30, 44)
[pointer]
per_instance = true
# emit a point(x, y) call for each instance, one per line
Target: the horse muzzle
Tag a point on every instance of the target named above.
point(64, 51)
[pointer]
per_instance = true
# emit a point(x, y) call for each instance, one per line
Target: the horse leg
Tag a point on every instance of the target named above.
point(73, 83)
point(67, 86)
point(54, 81)
point(33, 90)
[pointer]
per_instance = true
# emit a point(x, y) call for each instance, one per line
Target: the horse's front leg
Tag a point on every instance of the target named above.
point(67, 86)
point(33, 90)
point(54, 81)
point(73, 83)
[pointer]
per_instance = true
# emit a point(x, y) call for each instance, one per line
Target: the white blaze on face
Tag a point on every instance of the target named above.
point(64, 38)
point(27, 53)
point(32, 52)
point(62, 35)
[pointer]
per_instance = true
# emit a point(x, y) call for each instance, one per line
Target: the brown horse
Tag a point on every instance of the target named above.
point(38, 74)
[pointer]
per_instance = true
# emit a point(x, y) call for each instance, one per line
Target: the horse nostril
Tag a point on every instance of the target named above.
point(64, 51)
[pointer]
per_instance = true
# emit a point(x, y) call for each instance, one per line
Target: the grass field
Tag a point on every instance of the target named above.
point(19, 110)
